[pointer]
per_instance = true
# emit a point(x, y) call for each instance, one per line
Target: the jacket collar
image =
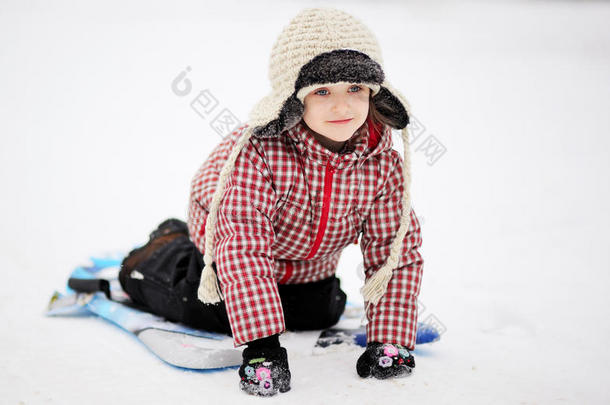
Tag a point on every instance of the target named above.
point(366, 142)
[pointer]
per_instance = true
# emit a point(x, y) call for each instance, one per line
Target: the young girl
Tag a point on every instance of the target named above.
point(278, 200)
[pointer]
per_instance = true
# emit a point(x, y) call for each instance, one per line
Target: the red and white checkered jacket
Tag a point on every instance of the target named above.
point(289, 209)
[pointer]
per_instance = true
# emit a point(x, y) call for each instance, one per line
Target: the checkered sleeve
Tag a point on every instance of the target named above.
point(394, 318)
point(244, 236)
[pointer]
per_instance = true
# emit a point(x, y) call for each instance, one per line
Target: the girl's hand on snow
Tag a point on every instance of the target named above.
point(264, 372)
point(385, 361)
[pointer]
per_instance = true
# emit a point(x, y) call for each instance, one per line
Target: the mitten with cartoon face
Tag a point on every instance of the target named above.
point(384, 361)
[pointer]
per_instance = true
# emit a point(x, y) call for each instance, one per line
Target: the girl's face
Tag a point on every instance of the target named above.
point(337, 111)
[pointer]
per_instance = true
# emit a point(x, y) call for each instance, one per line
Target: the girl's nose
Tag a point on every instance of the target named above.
point(340, 104)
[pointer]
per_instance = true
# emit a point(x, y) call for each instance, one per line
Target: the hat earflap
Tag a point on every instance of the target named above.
point(289, 115)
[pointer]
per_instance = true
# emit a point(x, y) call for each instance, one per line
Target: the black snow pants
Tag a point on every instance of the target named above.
point(166, 280)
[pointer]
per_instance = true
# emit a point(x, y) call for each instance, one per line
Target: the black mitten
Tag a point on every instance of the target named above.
point(385, 361)
point(264, 371)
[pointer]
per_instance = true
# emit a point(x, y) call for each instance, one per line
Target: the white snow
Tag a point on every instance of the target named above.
point(96, 150)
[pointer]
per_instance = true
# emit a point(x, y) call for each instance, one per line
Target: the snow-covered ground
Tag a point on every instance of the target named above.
point(96, 150)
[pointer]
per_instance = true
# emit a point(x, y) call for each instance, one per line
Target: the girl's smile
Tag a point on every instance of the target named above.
point(341, 121)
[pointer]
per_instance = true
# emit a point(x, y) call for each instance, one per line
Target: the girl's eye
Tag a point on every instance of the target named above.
point(353, 89)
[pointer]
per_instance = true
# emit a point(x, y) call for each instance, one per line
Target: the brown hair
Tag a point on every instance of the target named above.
point(376, 116)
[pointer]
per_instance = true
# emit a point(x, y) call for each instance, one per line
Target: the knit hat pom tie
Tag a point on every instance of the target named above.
point(209, 290)
point(377, 285)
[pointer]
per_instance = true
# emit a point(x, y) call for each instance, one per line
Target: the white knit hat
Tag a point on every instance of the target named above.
point(320, 46)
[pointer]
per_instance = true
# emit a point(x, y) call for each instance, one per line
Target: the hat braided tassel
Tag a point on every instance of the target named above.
point(376, 286)
point(209, 291)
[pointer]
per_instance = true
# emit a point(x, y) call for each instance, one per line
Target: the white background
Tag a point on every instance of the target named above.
point(96, 150)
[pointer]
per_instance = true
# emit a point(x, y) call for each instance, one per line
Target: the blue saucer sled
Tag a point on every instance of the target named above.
point(176, 344)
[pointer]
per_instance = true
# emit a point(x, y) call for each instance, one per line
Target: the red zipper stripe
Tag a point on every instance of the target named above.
point(328, 184)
